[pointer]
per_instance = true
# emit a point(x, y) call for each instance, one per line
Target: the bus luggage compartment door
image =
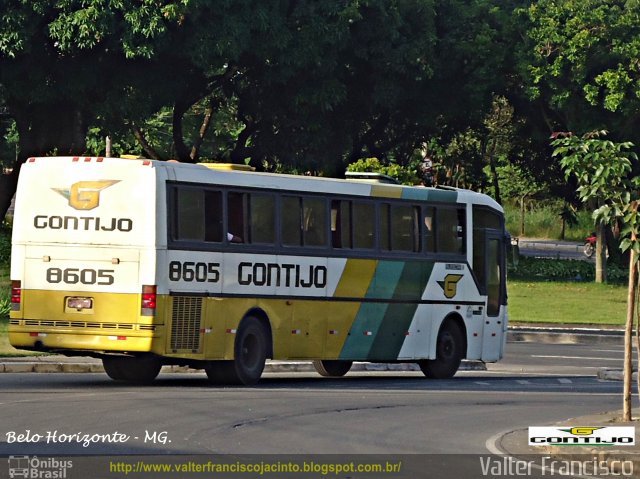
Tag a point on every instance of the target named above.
point(67, 283)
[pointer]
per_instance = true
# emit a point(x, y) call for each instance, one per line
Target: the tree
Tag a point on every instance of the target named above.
point(519, 184)
point(59, 70)
point(311, 84)
point(579, 63)
point(603, 168)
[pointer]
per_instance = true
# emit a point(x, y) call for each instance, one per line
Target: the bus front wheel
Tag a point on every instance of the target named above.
point(132, 369)
point(449, 353)
point(332, 367)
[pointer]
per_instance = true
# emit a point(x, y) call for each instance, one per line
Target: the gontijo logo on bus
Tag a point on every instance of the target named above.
point(580, 436)
point(83, 196)
point(450, 285)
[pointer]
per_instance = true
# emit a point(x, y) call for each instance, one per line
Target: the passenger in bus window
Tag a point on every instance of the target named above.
point(233, 238)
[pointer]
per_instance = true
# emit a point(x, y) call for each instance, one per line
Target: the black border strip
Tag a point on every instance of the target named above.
point(343, 299)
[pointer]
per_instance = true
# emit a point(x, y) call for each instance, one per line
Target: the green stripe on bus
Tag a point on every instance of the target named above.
point(371, 314)
point(397, 319)
point(424, 194)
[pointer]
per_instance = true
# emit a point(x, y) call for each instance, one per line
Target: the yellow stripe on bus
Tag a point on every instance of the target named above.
point(385, 191)
point(356, 278)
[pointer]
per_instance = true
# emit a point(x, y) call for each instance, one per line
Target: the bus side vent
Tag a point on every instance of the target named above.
point(185, 324)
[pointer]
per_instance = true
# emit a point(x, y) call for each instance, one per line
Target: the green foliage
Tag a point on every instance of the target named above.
point(542, 269)
point(602, 168)
point(542, 220)
point(5, 247)
point(515, 182)
point(580, 61)
point(5, 304)
point(404, 175)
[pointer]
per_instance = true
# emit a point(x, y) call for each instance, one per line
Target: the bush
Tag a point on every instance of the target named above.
point(5, 305)
point(547, 269)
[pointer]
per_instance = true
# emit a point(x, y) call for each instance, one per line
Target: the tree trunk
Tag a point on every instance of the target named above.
point(522, 216)
point(148, 149)
point(628, 331)
point(206, 121)
point(601, 254)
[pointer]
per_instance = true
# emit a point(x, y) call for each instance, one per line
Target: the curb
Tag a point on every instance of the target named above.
point(608, 374)
point(56, 366)
point(564, 335)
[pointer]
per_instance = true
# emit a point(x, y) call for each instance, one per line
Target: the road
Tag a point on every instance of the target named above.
point(297, 413)
point(553, 249)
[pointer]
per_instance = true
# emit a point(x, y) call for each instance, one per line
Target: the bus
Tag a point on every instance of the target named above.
point(145, 263)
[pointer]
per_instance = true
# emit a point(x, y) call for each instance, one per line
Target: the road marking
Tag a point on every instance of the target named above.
point(576, 357)
point(565, 381)
point(523, 381)
point(482, 383)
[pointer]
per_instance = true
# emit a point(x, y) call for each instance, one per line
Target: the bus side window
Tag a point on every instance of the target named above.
point(364, 224)
point(262, 218)
point(429, 214)
point(399, 228)
point(291, 214)
point(189, 211)
point(213, 216)
point(450, 230)
point(236, 216)
point(404, 227)
point(341, 224)
point(314, 222)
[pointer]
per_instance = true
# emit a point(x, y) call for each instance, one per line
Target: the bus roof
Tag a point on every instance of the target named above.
point(199, 173)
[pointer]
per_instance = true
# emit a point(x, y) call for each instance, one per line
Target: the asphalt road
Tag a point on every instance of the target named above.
point(553, 249)
point(362, 413)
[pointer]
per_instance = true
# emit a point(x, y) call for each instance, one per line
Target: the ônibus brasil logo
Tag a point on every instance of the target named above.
point(582, 436)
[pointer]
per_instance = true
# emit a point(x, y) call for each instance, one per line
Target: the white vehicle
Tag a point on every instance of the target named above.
point(145, 263)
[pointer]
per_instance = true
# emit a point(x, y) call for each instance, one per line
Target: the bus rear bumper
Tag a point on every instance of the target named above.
point(59, 341)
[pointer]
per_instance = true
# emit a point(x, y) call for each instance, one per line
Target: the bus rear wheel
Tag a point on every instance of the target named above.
point(332, 367)
point(142, 369)
point(449, 353)
point(251, 349)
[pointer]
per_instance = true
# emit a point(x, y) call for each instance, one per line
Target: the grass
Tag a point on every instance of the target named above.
point(5, 348)
point(567, 303)
point(543, 221)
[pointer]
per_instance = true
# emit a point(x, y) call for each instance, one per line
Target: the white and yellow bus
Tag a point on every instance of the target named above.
point(144, 263)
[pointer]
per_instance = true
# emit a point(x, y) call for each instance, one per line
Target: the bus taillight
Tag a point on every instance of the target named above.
point(148, 300)
point(16, 294)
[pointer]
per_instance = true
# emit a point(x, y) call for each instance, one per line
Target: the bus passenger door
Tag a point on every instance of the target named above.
point(494, 286)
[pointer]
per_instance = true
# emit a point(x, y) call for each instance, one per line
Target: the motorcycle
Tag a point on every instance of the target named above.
point(590, 245)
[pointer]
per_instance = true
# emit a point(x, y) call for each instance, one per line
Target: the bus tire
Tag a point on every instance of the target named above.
point(449, 353)
point(251, 349)
point(142, 369)
point(332, 367)
point(220, 372)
